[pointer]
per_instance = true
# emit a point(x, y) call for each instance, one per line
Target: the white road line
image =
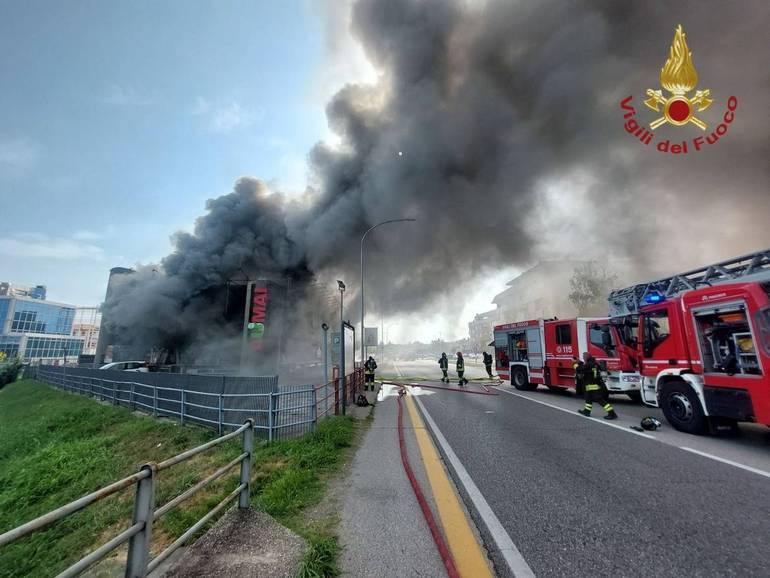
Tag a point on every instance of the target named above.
point(398, 370)
point(575, 413)
point(728, 462)
point(513, 558)
point(649, 437)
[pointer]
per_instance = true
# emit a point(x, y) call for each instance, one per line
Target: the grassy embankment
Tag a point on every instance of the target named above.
point(56, 447)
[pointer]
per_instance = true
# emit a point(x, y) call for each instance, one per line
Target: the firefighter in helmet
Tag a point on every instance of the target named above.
point(369, 368)
point(461, 369)
point(595, 389)
point(488, 363)
point(443, 363)
point(579, 368)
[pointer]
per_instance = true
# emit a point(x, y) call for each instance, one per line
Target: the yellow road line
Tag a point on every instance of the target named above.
point(467, 554)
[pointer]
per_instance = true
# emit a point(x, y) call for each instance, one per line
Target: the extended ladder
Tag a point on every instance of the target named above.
point(628, 301)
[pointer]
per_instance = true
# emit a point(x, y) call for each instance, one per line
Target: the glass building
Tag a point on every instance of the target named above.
point(37, 330)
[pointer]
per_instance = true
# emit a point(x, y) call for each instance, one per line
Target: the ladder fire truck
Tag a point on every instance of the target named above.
point(701, 342)
point(542, 351)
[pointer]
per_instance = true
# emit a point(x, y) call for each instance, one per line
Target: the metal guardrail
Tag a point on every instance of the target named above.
point(281, 417)
point(139, 534)
point(281, 414)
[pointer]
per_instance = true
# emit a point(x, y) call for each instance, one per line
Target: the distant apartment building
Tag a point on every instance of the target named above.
point(37, 330)
point(11, 290)
point(543, 290)
point(481, 328)
point(86, 325)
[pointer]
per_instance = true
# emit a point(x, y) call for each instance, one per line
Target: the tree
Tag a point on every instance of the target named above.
point(590, 284)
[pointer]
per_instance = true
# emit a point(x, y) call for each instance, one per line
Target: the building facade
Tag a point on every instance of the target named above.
point(86, 325)
point(37, 330)
point(542, 291)
point(481, 330)
point(11, 290)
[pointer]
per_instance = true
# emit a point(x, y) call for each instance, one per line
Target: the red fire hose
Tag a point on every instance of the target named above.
point(443, 550)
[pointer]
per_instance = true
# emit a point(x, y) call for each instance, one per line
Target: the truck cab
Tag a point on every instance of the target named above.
point(704, 356)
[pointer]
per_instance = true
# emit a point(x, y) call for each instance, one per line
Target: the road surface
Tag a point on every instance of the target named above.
point(584, 497)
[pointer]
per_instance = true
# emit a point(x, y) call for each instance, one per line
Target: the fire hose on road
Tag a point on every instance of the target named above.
point(446, 556)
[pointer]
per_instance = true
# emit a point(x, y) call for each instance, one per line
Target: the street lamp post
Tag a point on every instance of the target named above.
point(363, 337)
point(325, 329)
point(341, 285)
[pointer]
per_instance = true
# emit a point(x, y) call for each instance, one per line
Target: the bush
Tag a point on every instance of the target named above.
point(9, 371)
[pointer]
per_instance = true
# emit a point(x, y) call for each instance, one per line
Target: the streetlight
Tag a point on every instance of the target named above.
point(341, 285)
point(325, 329)
point(363, 337)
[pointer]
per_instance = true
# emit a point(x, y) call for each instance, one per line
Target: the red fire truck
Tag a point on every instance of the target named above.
point(702, 342)
point(541, 352)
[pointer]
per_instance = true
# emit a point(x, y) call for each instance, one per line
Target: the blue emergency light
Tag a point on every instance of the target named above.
point(654, 297)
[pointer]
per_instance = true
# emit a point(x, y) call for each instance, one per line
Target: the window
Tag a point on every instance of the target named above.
point(563, 334)
point(601, 337)
point(656, 330)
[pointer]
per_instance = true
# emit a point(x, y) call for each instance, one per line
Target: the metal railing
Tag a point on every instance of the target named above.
point(139, 534)
point(286, 413)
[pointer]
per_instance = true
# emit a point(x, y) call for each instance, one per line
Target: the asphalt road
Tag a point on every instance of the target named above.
point(579, 498)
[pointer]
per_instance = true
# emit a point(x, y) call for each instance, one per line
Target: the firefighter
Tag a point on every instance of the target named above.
point(461, 369)
point(369, 368)
point(579, 366)
point(488, 364)
point(596, 390)
point(443, 363)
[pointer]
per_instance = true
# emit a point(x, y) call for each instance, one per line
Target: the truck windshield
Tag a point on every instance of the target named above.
point(656, 329)
point(628, 331)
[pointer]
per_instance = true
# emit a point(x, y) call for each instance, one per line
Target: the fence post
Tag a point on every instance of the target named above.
point(248, 448)
point(181, 406)
point(131, 397)
point(314, 410)
point(139, 544)
point(114, 392)
point(221, 413)
point(154, 400)
point(270, 418)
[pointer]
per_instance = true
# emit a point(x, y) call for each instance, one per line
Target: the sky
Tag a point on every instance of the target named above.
point(123, 118)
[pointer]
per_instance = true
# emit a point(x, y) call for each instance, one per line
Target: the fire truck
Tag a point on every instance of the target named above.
point(701, 342)
point(542, 351)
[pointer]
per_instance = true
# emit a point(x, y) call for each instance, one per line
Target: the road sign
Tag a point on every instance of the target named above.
point(370, 336)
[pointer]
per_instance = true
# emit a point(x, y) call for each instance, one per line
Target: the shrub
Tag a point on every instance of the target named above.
point(9, 371)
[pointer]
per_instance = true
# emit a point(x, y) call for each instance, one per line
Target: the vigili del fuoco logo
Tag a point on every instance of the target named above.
point(678, 78)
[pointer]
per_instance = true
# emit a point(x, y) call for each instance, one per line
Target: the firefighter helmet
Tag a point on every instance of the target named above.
point(650, 423)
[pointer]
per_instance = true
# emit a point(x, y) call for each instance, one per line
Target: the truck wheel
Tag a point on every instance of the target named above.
point(635, 396)
point(519, 380)
point(682, 408)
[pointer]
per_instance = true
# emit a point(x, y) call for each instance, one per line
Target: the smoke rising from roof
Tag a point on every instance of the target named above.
point(497, 125)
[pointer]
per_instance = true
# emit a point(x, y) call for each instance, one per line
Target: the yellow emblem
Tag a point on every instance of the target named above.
point(679, 77)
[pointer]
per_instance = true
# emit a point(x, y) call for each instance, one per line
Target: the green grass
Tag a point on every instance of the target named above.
point(56, 447)
point(291, 477)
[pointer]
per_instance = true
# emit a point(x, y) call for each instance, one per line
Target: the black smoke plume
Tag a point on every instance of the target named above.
point(498, 126)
